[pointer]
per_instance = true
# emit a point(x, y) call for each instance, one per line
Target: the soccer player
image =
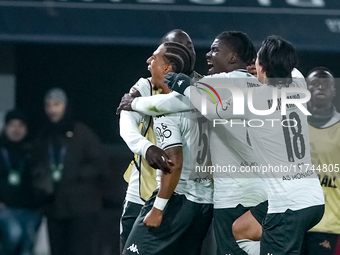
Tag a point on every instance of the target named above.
point(324, 135)
point(295, 199)
point(176, 218)
point(234, 193)
point(136, 130)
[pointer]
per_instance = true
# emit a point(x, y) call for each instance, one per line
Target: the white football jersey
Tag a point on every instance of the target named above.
point(187, 130)
point(129, 130)
point(281, 146)
point(231, 149)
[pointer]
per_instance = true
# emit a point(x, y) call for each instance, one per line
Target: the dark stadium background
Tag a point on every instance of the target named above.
point(96, 50)
point(96, 77)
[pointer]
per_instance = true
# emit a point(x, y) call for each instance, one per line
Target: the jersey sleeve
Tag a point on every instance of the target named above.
point(129, 130)
point(168, 131)
point(212, 95)
point(161, 104)
point(143, 86)
point(298, 79)
point(226, 109)
point(196, 98)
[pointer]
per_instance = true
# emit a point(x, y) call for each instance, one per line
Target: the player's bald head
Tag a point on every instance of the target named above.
point(319, 72)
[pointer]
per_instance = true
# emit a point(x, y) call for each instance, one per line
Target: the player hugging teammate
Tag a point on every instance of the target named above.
point(253, 213)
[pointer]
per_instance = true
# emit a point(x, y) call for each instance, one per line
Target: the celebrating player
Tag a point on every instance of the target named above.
point(295, 200)
point(180, 211)
point(136, 130)
point(234, 194)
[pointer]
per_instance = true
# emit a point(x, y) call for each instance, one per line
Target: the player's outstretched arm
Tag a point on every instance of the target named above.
point(161, 104)
point(181, 83)
point(154, 105)
point(167, 187)
point(208, 109)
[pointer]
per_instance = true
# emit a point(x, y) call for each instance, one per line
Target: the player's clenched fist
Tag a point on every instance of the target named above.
point(153, 218)
point(177, 81)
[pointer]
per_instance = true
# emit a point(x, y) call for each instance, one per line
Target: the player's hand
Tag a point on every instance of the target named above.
point(126, 101)
point(158, 159)
point(252, 70)
point(177, 81)
point(153, 218)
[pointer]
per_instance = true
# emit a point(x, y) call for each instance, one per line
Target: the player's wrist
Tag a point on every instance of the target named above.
point(160, 203)
point(133, 104)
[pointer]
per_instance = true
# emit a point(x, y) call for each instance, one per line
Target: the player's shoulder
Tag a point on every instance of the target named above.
point(336, 115)
point(240, 73)
point(143, 85)
point(298, 79)
point(170, 120)
point(334, 121)
point(175, 117)
point(297, 74)
point(208, 78)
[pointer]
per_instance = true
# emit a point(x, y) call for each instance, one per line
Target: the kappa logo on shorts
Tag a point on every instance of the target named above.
point(180, 82)
point(133, 248)
point(326, 244)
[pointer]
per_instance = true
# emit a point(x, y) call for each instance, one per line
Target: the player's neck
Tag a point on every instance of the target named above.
point(321, 112)
point(238, 66)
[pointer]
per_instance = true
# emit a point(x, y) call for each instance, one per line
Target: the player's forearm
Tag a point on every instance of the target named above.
point(169, 183)
point(200, 102)
point(161, 104)
point(129, 131)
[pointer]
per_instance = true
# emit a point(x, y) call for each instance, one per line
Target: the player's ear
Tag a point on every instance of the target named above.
point(233, 58)
point(261, 70)
point(168, 69)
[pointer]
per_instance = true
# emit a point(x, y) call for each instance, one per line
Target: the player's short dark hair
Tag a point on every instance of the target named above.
point(179, 56)
point(320, 69)
point(278, 59)
point(240, 43)
point(179, 33)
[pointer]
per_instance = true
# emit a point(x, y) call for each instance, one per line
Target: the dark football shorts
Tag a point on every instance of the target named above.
point(183, 228)
point(283, 233)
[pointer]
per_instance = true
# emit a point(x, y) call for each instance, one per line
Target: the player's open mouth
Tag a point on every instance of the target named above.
point(210, 65)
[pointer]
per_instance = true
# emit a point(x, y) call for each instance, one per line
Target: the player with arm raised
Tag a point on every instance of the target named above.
point(176, 218)
point(234, 193)
point(137, 131)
